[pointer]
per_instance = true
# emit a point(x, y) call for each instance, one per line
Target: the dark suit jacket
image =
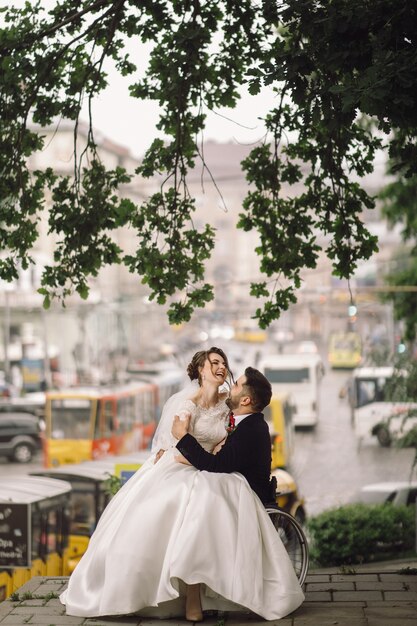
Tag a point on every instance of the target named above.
point(247, 450)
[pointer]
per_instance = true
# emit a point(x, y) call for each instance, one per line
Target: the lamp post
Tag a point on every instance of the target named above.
point(352, 311)
point(8, 288)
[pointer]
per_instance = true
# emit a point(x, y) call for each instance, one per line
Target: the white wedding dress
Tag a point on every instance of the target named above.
point(171, 524)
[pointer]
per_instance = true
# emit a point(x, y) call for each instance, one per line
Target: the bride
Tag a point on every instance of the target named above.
point(172, 527)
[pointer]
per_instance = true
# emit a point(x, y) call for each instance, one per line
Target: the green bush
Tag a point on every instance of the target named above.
point(358, 533)
point(112, 484)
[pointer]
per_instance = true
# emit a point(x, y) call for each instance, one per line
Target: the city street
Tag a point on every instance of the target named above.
point(327, 464)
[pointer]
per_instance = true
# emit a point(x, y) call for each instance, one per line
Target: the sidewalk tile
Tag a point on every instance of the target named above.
point(281, 622)
point(235, 617)
point(354, 577)
point(318, 596)
point(54, 620)
point(5, 609)
point(367, 596)
point(156, 622)
point(391, 612)
point(343, 578)
point(412, 621)
point(392, 622)
point(39, 610)
point(173, 621)
point(329, 621)
point(47, 590)
point(382, 586)
point(393, 604)
point(243, 619)
point(402, 596)
point(329, 607)
point(54, 602)
point(333, 611)
point(329, 586)
point(31, 584)
point(394, 577)
point(318, 578)
point(123, 620)
point(409, 581)
point(208, 621)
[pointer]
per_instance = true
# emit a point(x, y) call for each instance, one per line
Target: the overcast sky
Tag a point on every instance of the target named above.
point(132, 122)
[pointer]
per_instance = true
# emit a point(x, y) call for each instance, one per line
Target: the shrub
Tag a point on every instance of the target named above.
point(358, 533)
point(112, 484)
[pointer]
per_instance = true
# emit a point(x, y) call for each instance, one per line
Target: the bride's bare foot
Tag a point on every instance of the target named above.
point(193, 611)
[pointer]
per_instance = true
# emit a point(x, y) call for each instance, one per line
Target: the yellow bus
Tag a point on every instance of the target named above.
point(279, 417)
point(249, 331)
point(93, 422)
point(345, 350)
point(34, 524)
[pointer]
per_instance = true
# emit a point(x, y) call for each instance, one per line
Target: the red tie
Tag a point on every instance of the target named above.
point(231, 426)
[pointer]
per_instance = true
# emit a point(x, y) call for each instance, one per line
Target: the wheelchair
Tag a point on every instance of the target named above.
point(290, 533)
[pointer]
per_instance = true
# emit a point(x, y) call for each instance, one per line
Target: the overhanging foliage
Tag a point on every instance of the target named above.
point(332, 63)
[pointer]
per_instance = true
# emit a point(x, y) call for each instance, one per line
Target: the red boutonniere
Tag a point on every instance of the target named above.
point(232, 425)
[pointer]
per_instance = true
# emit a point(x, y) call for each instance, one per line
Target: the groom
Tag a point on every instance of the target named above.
point(247, 448)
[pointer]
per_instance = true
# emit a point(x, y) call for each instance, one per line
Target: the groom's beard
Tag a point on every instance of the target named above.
point(232, 404)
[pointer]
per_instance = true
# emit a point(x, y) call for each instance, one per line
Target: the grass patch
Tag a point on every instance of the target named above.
point(28, 595)
point(408, 571)
point(347, 570)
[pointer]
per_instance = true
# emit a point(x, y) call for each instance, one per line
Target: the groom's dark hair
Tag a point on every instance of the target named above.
point(258, 388)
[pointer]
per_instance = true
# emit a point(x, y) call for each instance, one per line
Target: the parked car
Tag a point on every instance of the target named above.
point(20, 436)
point(400, 492)
point(33, 403)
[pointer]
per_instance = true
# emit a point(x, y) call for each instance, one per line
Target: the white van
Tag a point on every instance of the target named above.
point(300, 375)
point(372, 414)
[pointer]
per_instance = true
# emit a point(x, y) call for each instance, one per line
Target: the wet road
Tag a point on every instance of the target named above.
point(328, 465)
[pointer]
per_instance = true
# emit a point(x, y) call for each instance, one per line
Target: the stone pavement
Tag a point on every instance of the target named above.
point(369, 597)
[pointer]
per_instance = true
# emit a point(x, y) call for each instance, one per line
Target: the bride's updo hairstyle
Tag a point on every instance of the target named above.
point(200, 358)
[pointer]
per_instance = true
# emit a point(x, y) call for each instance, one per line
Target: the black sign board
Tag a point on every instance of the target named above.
point(15, 535)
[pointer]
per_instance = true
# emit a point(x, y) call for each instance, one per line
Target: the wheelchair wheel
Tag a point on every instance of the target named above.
point(294, 540)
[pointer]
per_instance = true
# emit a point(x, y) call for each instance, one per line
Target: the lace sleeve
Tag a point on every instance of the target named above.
point(163, 439)
point(191, 408)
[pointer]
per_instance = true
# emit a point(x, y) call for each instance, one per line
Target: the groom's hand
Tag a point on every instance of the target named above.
point(180, 426)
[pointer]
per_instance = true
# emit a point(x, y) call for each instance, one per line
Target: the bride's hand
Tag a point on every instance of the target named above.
point(158, 455)
point(181, 424)
point(219, 446)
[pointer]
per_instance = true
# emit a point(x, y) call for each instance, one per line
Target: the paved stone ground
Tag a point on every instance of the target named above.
point(366, 598)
